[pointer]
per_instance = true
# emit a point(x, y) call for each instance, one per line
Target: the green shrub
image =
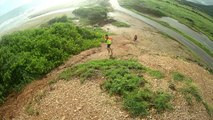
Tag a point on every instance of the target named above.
point(120, 24)
point(190, 90)
point(139, 102)
point(135, 105)
point(122, 84)
point(123, 78)
point(209, 108)
point(58, 20)
point(93, 15)
point(178, 76)
point(156, 74)
point(161, 101)
point(28, 55)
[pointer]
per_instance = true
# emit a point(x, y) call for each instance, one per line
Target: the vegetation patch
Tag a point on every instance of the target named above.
point(97, 15)
point(187, 15)
point(204, 8)
point(190, 91)
point(30, 110)
point(124, 78)
point(130, 4)
point(209, 108)
point(120, 24)
point(178, 76)
point(92, 15)
point(155, 73)
point(28, 55)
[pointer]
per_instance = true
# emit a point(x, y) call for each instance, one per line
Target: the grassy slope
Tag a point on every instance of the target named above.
point(186, 36)
point(189, 91)
point(120, 24)
point(207, 9)
point(125, 78)
point(185, 14)
point(158, 13)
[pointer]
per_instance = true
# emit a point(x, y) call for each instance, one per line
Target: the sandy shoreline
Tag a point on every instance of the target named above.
point(33, 23)
point(37, 21)
point(37, 17)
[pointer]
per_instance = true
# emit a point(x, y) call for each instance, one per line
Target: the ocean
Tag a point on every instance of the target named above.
point(16, 12)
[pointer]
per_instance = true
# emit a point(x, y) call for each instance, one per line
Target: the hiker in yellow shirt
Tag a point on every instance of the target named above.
point(109, 42)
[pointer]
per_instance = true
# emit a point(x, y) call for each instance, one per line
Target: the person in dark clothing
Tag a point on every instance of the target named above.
point(135, 37)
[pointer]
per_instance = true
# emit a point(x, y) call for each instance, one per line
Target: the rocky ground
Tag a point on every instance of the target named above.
point(47, 99)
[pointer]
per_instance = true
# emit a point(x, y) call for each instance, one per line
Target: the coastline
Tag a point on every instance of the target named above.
point(36, 22)
point(37, 16)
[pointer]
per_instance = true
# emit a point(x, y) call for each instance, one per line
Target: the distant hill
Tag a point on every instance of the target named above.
point(204, 8)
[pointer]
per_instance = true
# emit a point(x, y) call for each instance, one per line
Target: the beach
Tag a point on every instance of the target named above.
point(38, 15)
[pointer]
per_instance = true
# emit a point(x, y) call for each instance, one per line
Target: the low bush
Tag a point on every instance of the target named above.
point(124, 79)
point(93, 15)
point(120, 24)
point(28, 55)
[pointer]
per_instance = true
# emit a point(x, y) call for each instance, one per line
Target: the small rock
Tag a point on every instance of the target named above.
point(63, 118)
point(126, 116)
point(79, 108)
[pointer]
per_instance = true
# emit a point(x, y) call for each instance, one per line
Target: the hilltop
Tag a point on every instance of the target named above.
point(68, 74)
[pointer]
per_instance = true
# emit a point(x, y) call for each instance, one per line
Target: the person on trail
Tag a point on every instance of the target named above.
point(109, 42)
point(135, 37)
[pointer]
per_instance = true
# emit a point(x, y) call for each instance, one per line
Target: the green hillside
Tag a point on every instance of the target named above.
point(30, 54)
point(189, 16)
point(204, 8)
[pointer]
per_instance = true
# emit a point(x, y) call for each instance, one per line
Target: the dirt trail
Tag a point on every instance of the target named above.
point(70, 100)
